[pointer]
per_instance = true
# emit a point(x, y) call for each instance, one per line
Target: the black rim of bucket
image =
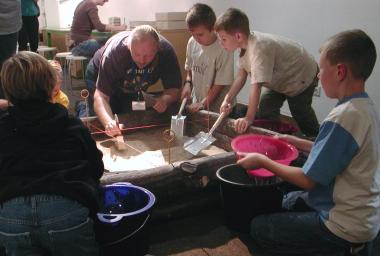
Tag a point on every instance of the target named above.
point(132, 233)
point(149, 205)
point(278, 180)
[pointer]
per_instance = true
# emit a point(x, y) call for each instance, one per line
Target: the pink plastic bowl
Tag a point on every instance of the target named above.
point(276, 149)
point(275, 125)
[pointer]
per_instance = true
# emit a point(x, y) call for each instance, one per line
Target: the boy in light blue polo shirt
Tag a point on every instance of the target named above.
point(342, 172)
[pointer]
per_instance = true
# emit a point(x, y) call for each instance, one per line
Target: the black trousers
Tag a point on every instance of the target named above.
point(8, 45)
point(29, 34)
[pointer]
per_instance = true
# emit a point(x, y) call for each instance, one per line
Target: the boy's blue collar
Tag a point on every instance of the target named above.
point(353, 96)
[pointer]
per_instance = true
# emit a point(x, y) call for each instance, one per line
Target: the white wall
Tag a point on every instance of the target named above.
point(310, 22)
point(59, 13)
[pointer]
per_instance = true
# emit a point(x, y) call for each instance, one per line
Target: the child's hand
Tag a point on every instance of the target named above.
point(225, 107)
point(195, 107)
point(186, 91)
point(242, 124)
point(251, 160)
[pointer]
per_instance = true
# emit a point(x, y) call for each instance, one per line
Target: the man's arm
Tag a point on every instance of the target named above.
point(98, 25)
point(112, 28)
point(103, 110)
point(168, 97)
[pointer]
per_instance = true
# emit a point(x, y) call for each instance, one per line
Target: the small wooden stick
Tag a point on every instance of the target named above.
point(119, 142)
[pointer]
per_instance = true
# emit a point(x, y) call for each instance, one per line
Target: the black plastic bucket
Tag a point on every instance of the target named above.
point(243, 198)
point(121, 225)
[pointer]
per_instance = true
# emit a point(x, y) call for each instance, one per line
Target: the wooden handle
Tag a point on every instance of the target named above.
point(182, 106)
point(120, 143)
point(217, 123)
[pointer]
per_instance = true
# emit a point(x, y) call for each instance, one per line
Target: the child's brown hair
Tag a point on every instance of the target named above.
point(354, 48)
point(27, 77)
point(232, 21)
point(201, 14)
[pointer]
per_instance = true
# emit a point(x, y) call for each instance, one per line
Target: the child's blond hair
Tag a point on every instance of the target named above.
point(57, 67)
point(27, 77)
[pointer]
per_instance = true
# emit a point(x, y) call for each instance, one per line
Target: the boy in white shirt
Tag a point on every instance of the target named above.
point(209, 68)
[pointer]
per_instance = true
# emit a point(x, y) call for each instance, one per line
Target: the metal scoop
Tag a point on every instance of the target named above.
point(202, 140)
point(178, 121)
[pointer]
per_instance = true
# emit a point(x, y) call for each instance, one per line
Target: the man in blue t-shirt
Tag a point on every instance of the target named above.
point(122, 70)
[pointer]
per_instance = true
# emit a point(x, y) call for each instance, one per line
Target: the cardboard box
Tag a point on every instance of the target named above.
point(116, 21)
point(167, 25)
point(135, 23)
point(178, 38)
point(166, 16)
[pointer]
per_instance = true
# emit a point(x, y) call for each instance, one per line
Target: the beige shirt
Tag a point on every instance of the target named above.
point(209, 65)
point(283, 64)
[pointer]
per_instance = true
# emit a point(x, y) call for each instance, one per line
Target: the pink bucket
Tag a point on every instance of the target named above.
point(276, 149)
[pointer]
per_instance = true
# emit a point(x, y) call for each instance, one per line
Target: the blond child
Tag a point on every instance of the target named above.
point(50, 166)
point(342, 172)
point(58, 95)
point(282, 66)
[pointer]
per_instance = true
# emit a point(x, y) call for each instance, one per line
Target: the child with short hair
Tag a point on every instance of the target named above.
point(342, 172)
point(281, 65)
point(50, 166)
point(209, 68)
point(58, 95)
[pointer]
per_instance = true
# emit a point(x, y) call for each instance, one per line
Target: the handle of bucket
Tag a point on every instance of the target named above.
point(182, 107)
point(131, 234)
point(115, 218)
point(122, 183)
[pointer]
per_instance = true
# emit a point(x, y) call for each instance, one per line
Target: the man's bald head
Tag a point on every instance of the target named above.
point(143, 44)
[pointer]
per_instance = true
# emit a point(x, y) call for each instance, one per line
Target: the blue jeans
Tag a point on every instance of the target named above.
point(298, 233)
point(86, 48)
point(46, 225)
point(84, 109)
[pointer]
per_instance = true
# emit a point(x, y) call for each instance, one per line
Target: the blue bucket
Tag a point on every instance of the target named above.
point(122, 221)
